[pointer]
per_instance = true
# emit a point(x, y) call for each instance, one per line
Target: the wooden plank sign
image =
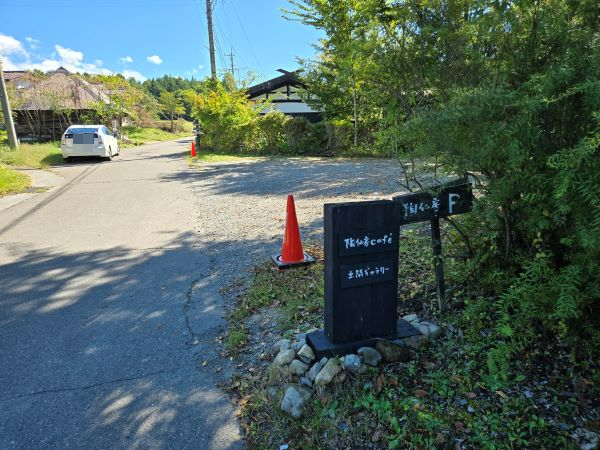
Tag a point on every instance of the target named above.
point(448, 200)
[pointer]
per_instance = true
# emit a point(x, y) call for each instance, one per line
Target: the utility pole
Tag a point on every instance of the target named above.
point(8, 120)
point(231, 55)
point(211, 42)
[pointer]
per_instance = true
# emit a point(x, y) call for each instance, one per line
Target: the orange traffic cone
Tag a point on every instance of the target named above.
point(292, 254)
point(193, 150)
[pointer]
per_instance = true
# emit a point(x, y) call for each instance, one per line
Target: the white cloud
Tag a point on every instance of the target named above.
point(15, 57)
point(10, 46)
point(195, 71)
point(134, 74)
point(154, 59)
point(32, 42)
point(69, 56)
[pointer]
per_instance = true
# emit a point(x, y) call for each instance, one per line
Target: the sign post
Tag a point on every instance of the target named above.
point(448, 200)
point(361, 277)
point(361, 265)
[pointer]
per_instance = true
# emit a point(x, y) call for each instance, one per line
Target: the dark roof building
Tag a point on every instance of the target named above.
point(282, 92)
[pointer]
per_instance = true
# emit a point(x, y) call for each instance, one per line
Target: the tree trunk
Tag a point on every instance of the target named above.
point(355, 111)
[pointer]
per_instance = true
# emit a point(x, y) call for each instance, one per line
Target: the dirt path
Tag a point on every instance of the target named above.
point(242, 204)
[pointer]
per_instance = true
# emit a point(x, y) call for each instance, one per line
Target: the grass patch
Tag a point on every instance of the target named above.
point(12, 182)
point(211, 157)
point(36, 156)
point(297, 294)
point(139, 135)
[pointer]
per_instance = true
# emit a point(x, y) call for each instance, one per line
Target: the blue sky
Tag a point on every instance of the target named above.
point(150, 38)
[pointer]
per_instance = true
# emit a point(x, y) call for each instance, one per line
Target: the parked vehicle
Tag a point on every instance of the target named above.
point(89, 140)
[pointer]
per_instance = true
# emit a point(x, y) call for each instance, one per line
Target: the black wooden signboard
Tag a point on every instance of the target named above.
point(361, 276)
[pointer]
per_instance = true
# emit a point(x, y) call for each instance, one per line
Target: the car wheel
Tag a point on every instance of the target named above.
point(110, 155)
point(67, 159)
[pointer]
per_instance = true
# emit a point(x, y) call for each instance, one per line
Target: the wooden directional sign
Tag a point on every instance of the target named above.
point(446, 201)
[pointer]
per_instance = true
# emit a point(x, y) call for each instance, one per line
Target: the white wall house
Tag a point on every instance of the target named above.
point(282, 92)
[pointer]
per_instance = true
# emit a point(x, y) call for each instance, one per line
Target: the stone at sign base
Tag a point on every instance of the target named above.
point(323, 347)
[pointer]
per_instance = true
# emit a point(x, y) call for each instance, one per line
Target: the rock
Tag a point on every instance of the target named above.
point(363, 368)
point(305, 392)
point(351, 363)
point(411, 318)
point(341, 377)
point(587, 440)
point(435, 331)
point(298, 367)
point(301, 337)
point(306, 354)
point(424, 330)
point(305, 382)
point(293, 403)
point(416, 342)
point(298, 345)
point(392, 352)
point(315, 369)
point(330, 370)
point(281, 345)
point(284, 357)
point(369, 356)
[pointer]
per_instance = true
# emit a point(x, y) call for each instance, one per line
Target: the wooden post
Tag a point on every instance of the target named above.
point(438, 262)
point(6, 111)
point(211, 43)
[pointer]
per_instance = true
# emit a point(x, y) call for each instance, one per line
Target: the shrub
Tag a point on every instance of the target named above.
point(270, 128)
point(339, 135)
point(303, 137)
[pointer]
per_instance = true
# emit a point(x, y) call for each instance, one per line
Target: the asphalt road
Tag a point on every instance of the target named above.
point(107, 310)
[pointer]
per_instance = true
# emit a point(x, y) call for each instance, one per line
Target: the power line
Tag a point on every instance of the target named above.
point(246, 36)
point(224, 35)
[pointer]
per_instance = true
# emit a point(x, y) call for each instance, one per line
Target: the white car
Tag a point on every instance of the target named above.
point(89, 140)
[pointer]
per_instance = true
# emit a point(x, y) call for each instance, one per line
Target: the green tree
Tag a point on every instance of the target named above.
point(508, 92)
point(170, 105)
point(227, 117)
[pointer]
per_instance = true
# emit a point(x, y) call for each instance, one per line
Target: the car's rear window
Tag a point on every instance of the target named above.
point(81, 130)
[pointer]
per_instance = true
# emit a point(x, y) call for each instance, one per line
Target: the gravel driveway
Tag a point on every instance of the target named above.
point(241, 205)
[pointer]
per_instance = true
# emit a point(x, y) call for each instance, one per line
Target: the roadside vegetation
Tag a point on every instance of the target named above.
point(137, 135)
point(508, 96)
point(37, 156)
point(12, 182)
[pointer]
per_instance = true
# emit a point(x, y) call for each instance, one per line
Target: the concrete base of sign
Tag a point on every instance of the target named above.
point(281, 265)
point(323, 347)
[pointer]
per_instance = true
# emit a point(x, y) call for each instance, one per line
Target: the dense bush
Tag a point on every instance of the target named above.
point(508, 93)
point(303, 137)
point(270, 130)
point(227, 118)
point(339, 134)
